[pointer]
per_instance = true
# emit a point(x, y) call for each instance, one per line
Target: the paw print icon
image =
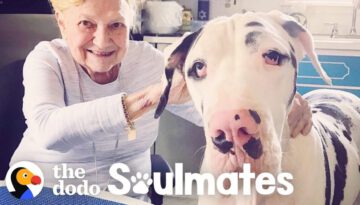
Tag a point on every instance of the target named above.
point(141, 183)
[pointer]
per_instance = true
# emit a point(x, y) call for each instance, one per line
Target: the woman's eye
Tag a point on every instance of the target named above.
point(86, 24)
point(198, 70)
point(274, 57)
point(117, 25)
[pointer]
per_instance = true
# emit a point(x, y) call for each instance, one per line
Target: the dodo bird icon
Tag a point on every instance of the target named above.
point(21, 177)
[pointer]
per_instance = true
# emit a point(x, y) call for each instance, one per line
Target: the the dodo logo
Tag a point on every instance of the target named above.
point(24, 180)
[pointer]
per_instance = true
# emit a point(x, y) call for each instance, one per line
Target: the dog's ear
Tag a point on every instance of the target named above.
point(304, 37)
point(175, 55)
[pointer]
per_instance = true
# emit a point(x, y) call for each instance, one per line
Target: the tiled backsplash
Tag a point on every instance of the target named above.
point(317, 16)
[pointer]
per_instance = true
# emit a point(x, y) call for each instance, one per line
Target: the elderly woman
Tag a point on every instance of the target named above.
point(83, 92)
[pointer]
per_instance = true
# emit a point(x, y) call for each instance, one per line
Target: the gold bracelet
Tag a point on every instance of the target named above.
point(130, 125)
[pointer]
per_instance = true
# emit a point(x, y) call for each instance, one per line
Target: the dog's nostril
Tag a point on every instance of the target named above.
point(237, 117)
point(221, 136)
point(221, 143)
point(243, 131)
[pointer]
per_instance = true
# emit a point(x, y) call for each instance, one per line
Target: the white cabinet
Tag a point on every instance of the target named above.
point(161, 42)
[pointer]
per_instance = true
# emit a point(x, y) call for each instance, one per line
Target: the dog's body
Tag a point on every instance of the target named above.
point(324, 164)
point(241, 74)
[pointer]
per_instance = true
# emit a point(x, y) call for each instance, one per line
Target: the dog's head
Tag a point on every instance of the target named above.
point(241, 74)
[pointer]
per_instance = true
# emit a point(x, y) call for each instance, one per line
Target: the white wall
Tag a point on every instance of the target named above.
point(317, 15)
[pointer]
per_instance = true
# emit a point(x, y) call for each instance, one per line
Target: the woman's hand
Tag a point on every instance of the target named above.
point(142, 101)
point(300, 117)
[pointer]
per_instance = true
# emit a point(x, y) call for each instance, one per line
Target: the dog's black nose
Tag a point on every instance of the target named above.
point(222, 144)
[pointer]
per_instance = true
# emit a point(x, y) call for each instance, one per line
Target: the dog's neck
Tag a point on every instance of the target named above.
point(285, 137)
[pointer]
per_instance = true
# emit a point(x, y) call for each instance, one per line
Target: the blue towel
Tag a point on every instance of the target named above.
point(46, 197)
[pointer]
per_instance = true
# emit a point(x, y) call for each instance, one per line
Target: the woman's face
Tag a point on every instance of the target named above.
point(96, 32)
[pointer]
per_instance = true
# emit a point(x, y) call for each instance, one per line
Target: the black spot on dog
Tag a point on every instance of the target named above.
point(294, 87)
point(357, 108)
point(237, 117)
point(340, 168)
point(222, 144)
point(327, 175)
point(255, 116)
point(291, 98)
point(346, 134)
point(186, 44)
point(328, 98)
point(253, 23)
point(336, 113)
point(292, 47)
point(323, 133)
point(316, 128)
point(293, 28)
point(314, 111)
point(164, 97)
point(293, 60)
point(176, 61)
point(253, 148)
point(250, 38)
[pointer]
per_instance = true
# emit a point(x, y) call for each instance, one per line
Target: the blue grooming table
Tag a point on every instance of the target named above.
point(47, 197)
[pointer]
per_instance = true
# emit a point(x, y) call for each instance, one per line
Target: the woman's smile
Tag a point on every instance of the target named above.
point(101, 54)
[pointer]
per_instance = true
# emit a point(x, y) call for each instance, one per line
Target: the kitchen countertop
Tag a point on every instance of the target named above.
point(161, 39)
point(337, 43)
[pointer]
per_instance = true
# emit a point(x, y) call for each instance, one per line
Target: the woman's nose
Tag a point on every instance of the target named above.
point(101, 37)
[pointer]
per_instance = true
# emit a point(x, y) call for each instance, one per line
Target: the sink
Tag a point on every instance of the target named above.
point(338, 42)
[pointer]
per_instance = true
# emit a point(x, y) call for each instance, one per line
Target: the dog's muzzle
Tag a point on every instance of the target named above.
point(241, 126)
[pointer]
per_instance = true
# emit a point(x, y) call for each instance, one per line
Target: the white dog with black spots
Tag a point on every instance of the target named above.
point(241, 74)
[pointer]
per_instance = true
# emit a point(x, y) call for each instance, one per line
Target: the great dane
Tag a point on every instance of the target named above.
point(241, 74)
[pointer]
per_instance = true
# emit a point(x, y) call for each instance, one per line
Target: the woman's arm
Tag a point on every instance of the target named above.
point(58, 126)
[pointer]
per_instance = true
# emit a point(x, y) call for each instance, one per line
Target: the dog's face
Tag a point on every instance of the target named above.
point(241, 73)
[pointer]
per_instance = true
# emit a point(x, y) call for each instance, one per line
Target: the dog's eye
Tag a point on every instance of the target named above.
point(273, 57)
point(198, 70)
